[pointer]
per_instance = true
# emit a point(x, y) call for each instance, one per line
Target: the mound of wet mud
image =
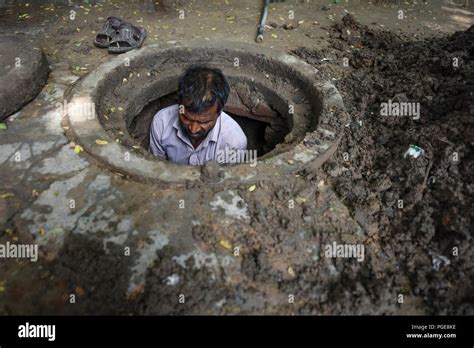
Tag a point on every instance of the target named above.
point(420, 209)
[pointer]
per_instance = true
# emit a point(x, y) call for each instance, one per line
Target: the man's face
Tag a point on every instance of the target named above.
point(196, 126)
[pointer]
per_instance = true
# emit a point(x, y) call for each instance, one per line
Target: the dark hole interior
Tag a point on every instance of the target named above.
point(255, 132)
point(261, 136)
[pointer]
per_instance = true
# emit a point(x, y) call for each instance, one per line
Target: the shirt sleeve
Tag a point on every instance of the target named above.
point(243, 144)
point(156, 132)
point(234, 153)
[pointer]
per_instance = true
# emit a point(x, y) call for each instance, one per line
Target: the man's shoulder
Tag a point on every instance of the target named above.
point(162, 124)
point(166, 114)
point(231, 132)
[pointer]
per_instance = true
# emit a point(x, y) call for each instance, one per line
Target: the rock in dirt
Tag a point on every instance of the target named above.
point(23, 72)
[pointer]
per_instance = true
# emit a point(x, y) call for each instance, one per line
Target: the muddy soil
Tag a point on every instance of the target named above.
point(371, 174)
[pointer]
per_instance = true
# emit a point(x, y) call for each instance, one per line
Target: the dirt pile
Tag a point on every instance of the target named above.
point(427, 242)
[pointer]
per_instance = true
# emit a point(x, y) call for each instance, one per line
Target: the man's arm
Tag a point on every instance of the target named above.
point(156, 132)
point(235, 152)
point(243, 143)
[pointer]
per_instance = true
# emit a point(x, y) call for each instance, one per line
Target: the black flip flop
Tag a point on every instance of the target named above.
point(128, 37)
point(108, 33)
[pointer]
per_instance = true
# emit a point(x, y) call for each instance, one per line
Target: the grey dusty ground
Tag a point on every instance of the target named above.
point(122, 246)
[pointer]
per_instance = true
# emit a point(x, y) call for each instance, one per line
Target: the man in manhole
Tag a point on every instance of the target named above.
point(196, 130)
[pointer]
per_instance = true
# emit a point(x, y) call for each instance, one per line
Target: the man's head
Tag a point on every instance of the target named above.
point(202, 94)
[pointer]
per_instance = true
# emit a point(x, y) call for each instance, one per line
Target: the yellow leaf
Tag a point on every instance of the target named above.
point(252, 188)
point(291, 272)
point(226, 244)
point(300, 200)
point(78, 149)
point(42, 232)
point(291, 161)
point(7, 195)
point(275, 36)
point(101, 142)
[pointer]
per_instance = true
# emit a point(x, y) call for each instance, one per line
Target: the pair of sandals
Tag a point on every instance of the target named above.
point(119, 36)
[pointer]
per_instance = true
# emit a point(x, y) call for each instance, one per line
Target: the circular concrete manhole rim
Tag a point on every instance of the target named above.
point(86, 130)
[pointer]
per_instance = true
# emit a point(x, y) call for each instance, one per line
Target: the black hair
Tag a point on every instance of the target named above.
point(200, 87)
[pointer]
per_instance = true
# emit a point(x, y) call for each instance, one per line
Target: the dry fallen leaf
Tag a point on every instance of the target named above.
point(101, 142)
point(291, 272)
point(226, 244)
point(300, 200)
